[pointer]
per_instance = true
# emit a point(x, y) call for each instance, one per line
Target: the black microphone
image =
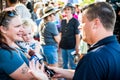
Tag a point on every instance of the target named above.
point(40, 59)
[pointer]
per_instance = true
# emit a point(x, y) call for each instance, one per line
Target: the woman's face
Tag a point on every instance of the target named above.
point(15, 30)
point(51, 17)
point(68, 11)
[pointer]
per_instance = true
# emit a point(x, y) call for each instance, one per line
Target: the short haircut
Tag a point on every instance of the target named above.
point(102, 10)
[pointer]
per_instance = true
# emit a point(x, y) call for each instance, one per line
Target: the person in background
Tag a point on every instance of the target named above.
point(102, 59)
point(49, 36)
point(12, 61)
point(36, 14)
point(23, 11)
point(39, 14)
point(70, 37)
point(20, 8)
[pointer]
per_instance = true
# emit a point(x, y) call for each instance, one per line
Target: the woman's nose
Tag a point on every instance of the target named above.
point(21, 28)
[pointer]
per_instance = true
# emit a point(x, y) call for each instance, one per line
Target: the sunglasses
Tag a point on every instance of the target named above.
point(7, 13)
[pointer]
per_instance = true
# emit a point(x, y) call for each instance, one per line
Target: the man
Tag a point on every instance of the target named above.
point(102, 60)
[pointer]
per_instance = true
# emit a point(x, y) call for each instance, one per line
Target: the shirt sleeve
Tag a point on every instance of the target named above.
point(10, 61)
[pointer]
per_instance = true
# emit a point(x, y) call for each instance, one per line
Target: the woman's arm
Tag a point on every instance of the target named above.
point(13, 65)
point(57, 39)
point(22, 73)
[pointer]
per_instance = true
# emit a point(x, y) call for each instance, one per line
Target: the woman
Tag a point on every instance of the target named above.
point(70, 37)
point(49, 36)
point(13, 63)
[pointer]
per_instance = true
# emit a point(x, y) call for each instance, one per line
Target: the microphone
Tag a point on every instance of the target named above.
point(39, 58)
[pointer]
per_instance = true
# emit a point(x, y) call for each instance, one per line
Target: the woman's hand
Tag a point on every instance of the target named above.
point(36, 71)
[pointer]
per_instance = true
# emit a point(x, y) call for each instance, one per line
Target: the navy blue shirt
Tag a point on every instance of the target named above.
point(101, 63)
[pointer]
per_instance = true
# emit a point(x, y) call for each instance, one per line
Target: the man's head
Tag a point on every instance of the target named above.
point(98, 20)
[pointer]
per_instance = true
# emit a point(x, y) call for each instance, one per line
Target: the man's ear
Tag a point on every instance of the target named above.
point(96, 23)
point(3, 29)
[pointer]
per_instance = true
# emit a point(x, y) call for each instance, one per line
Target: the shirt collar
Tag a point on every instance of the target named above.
point(102, 42)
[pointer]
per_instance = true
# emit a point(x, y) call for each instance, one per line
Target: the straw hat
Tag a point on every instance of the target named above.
point(48, 11)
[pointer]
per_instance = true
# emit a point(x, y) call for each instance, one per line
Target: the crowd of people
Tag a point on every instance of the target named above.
point(48, 30)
